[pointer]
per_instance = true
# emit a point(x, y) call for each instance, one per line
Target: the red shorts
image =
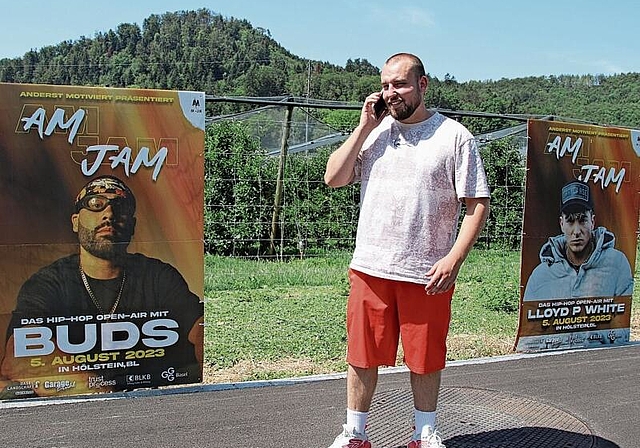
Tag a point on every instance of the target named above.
point(379, 310)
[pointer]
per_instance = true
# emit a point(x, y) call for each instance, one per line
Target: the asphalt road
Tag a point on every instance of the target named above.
point(595, 391)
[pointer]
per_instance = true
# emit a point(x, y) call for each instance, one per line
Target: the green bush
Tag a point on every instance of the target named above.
point(237, 183)
point(240, 185)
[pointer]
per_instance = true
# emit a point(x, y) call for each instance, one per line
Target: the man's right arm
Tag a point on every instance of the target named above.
point(342, 161)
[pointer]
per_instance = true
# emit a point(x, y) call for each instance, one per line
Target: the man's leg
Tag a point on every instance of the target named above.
point(361, 385)
point(424, 323)
point(372, 335)
point(425, 390)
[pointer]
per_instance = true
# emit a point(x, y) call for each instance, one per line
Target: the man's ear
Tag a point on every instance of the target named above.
point(74, 222)
point(424, 83)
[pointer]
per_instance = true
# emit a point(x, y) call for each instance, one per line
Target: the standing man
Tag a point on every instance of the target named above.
point(415, 167)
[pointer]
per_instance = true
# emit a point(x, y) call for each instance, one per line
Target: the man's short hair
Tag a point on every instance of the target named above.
point(106, 184)
point(417, 67)
point(576, 197)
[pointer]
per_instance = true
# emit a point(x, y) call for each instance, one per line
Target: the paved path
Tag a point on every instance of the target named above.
point(585, 398)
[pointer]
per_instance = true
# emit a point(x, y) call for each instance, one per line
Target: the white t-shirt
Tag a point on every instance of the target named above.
point(413, 178)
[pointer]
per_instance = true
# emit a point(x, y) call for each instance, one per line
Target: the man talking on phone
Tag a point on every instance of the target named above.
point(416, 168)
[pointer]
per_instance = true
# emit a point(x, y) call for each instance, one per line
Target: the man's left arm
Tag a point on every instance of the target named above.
point(443, 274)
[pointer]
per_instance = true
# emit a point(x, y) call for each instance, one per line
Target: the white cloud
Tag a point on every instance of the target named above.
point(417, 16)
point(403, 16)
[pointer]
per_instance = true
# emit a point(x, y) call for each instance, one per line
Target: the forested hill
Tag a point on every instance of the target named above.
point(204, 51)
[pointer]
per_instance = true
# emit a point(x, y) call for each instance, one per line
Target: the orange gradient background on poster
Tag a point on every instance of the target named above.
point(547, 173)
point(41, 176)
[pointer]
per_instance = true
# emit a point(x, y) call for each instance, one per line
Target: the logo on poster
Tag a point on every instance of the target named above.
point(170, 374)
point(635, 141)
point(142, 378)
point(96, 382)
point(59, 385)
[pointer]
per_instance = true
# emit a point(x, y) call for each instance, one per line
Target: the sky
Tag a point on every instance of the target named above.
point(466, 39)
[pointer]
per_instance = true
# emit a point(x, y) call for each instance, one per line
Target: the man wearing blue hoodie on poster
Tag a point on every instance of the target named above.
point(583, 260)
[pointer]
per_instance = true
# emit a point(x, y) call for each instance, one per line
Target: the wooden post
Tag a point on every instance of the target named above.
point(277, 201)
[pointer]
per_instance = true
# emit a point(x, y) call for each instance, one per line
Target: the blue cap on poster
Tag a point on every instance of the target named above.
point(576, 197)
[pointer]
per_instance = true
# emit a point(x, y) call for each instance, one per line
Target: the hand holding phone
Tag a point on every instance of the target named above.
point(379, 107)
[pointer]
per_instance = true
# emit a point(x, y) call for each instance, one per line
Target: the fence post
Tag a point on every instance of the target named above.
point(277, 201)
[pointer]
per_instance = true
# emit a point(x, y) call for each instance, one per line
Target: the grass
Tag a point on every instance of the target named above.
point(269, 319)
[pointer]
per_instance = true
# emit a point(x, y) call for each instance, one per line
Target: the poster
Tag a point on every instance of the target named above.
point(101, 239)
point(579, 236)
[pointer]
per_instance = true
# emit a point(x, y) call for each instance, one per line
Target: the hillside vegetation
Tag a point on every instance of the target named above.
point(205, 51)
point(248, 296)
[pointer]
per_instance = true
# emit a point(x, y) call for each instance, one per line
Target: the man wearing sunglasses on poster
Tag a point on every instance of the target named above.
point(114, 289)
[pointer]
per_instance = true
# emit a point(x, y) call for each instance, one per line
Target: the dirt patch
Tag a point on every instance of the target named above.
point(460, 346)
point(635, 326)
point(467, 346)
point(247, 370)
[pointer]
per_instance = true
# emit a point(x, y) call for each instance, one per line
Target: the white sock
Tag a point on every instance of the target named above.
point(357, 421)
point(423, 419)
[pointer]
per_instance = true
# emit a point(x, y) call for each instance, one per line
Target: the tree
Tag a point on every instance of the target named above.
point(361, 68)
point(239, 182)
point(504, 165)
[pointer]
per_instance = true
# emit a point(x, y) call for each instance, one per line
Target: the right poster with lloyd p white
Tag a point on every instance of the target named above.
point(580, 234)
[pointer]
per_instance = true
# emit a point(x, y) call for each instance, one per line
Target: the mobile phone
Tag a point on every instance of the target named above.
point(379, 107)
